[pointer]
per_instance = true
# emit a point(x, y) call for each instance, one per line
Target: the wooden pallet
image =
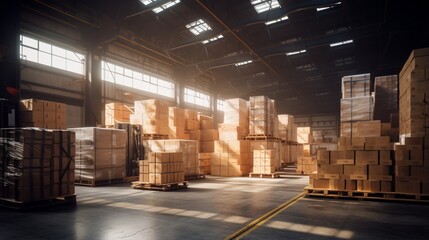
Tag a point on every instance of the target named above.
point(69, 200)
point(96, 183)
point(260, 137)
point(147, 136)
point(387, 196)
point(195, 176)
point(264, 175)
point(159, 187)
point(131, 179)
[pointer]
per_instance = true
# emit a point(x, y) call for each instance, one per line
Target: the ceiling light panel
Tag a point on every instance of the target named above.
point(264, 5)
point(198, 27)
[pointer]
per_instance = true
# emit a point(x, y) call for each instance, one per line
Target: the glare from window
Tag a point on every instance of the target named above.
point(147, 2)
point(243, 63)
point(141, 81)
point(212, 39)
point(341, 43)
point(220, 105)
point(197, 98)
point(277, 20)
point(198, 27)
point(53, 56)
point(264, 5)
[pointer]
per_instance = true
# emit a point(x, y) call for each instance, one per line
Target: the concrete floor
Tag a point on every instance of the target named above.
point(214, 208)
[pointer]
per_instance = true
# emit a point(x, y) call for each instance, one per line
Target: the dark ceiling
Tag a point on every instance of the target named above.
point(383, 32)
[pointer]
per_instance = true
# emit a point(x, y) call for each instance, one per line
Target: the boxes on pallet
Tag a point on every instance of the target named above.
point(386, 97)
point(188, 148)
point(357, 109)
point(286, 124)
point(205, 162)
point(42, 114)
point(366, 157)
point(264, 161)
point(163, 168)
point(231, 158)
point(39, 164)
point(356, 85)
point(232, 132)
point(262, 116)
point(413, 95)
point(153, 115)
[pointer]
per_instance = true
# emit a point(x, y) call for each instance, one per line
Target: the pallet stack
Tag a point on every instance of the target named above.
point(100, 155)
point(412, 168)
point(153, 115)
point(176, 123)
point(42, 114)
point(231, 157)
point(208, 136)
point(116, 113)
point(414, 95)
point(356, 104)
point(273, 146)
point(162, 168)
point(262, 117)
point(287, 131)
point(264, 162)
point(188, 148)
point(37, 164)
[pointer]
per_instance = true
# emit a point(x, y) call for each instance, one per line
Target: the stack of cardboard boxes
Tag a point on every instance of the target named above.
point(162, 168)
point(100, 155)
point(116, 113)
point(356, 104)
point(231, 155)
point(306, 163)
point(152, 115)
point(176, 123)
point(208, 136)
point(262, 117)
point(37, 164)
point(264, 161)
point(42, 114)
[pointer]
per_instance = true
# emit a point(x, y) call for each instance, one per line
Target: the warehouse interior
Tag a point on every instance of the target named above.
point(333, 94)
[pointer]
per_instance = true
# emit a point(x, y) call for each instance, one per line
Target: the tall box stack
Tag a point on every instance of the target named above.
point(116, 113)
point(153, 115)
point(235, 125)
point(208, 136)
point(42, 114)
point(286, 123)
point(176, 123)
point(412, 168)
point(414, 95)
point(231, 158)
point(262, 116)
point(306, 163)
point(357, 102)
point(264, 161)
point(191, 120)
point(100, 155)
point(269, 145)
point(162, 168)
point(37, 164)
point(188, 148)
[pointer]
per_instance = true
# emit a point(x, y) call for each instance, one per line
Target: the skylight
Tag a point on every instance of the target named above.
point(212, 39)
point(198, 27)
point(259, 74)
point(164, 6)
point(147, 2)
point(341, 43)
point(328, 7)
point(277, 20)
point(296, 52)
point(264, 5)
point(243, 63)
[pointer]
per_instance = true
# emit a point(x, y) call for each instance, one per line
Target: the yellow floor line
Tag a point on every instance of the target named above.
point(264, 218)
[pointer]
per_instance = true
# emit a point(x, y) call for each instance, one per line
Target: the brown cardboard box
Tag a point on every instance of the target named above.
point(341, 157)
point(377, 143)
point(385, 158)
point(407, 186)
point(379, 172)
point(371, 186)
point(366, 157)
point(323, 156)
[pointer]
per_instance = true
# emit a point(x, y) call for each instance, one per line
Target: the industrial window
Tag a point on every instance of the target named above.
point(264, 5)
point(212, 39)
point(162, 7)
point(198, 27)
point(277, 20)
point(49, 55)
point(243, 63)
point(220, 105)
point(126, 77)
point(197, 98)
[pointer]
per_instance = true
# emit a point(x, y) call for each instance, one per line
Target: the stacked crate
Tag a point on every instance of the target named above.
point(100, 155)
point(231, 155)
point(286, 127)
point(37, 164)
point(205, 160)
point(116, 113)
point(188, 148)
point(356, 103)
point(414, 95)
point(42, 114)
point(306, 163)
point(153, 115)
point(162, 168)
point(191, 120)
point(264, 161)
point(208, 136)
point(273, 146)
point(412, 168)
point(386, 97)
point(176, 123)
point(262, 116)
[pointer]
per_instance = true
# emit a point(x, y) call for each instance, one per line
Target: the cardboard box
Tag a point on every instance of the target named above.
point(366, 157)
